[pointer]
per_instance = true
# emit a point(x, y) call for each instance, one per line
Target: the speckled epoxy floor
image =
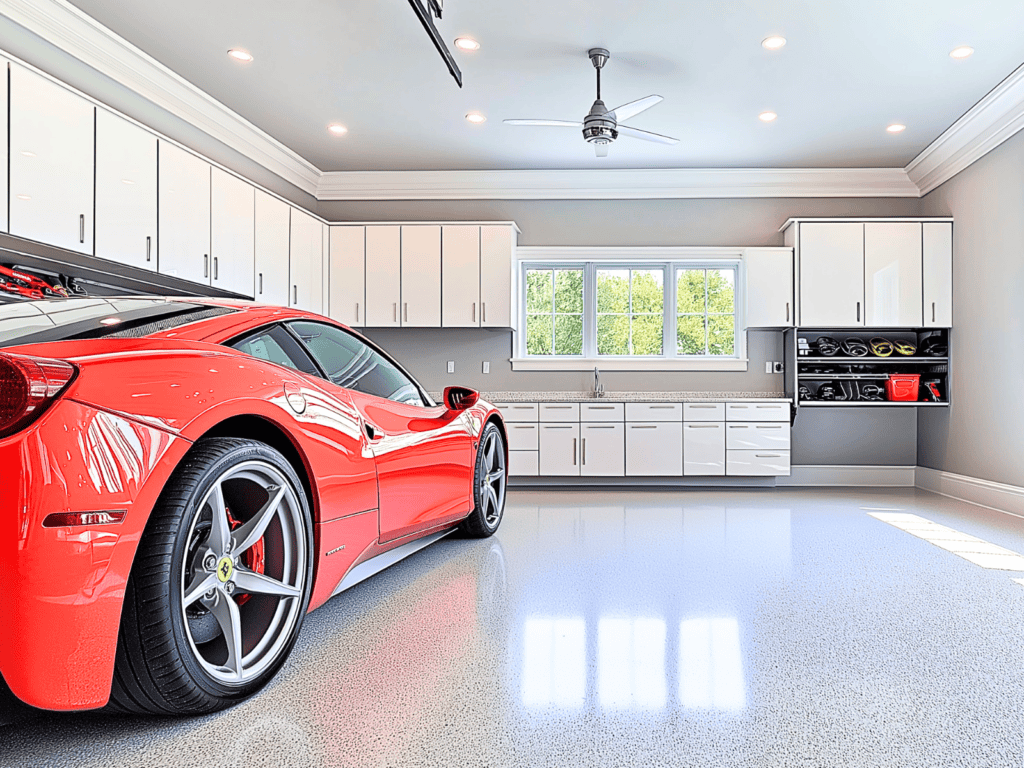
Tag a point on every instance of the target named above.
point(683, 628)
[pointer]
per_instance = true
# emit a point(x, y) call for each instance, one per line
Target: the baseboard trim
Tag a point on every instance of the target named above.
point(984, 493)
point(848, 475)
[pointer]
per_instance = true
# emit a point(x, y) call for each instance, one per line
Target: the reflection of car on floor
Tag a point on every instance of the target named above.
point(184, 479)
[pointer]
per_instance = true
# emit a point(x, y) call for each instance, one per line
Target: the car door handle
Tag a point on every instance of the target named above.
point(372, 432)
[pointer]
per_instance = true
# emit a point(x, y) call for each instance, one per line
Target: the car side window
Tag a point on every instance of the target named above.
point(352, 364)
point(276, 345)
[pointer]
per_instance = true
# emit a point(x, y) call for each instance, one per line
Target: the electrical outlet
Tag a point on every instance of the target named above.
point(451, 366)
point(780, 368)
point(768, 366)
point(487, 366)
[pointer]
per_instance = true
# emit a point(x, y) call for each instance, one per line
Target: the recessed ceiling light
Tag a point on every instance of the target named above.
point(896, 128)
point(337, 129)
point(239, 55)
point(767, 117)
point(773, 43)
point(476, 118)
point(961, 52)
point(467, 44)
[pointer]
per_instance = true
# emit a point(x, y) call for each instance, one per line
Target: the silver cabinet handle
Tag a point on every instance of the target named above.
point(522, 407)
point(773, 407)
point(662, 407)
point(933, 311)
point(574, 451)
point(601, 426)
point(767, 456)
point(206, 265)
point(525, 426)
point(215, 271)
point(474, 312)
point(357, 311)
point(558, 407)
point(642, 426)
point(787, 311)
point(149, 248)
point(775, 427)
point(704, 406)
point(405, 311)
point(295, 294)
point(739, 407)
point(738, 426)
point(601, 407)
point(584, 451)
point(261, 283)
point(81, 228)
point(556, 426)
point(858, 311)
point(483, 311)
point(394, 310)
point(702, 426)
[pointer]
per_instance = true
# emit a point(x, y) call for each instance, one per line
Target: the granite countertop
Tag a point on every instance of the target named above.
point(630, 397)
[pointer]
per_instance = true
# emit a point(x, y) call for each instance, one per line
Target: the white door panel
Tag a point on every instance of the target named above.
point(184, 214)
point(421, 277)
point(769, 288)
point(348, 275)
point(704, 448)
point(272, 245)
point(892, 274)
point(460, 276)
point(383, 276)
point(938, 274)
point(497, 251)
point(831, 274)
point(306, 262)
point(602, 450)
point(232, 233)
point(559, 449)
point(654, 449)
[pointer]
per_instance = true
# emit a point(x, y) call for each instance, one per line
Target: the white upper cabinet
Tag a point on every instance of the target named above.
point(460, 276)
point(892, 274)
point(497, 254)
point(769, 288)
point(306, 262)
point(232, 233)
point(421, 276)
point(938, 274)
point(348, 275)
point(273, 220)
point(831, 274)
point(184, 214)
point(383, 275)
point(52, 162)
point(4, 145)
point(125, 192)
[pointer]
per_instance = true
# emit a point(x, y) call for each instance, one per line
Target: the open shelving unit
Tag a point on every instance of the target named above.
point(845, 374)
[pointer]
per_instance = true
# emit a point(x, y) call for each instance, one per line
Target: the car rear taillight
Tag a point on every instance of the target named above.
point(27, 386)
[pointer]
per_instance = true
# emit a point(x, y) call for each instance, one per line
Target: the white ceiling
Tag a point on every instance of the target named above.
point(849, 69)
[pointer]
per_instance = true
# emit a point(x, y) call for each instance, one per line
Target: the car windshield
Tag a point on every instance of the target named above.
point(37, 322)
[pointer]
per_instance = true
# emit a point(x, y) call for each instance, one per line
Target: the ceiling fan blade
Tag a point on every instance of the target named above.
point(601, 150)
point(636, 133)
point(634, 108)
point(556, 123)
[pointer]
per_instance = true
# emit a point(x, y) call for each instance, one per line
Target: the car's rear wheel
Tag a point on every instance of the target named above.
point(220, 584)
point(489, 484)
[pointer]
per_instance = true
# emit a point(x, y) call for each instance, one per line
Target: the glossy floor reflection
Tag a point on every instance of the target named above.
point(685, 628)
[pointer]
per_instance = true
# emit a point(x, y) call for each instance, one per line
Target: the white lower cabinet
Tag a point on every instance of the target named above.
point(602, 450)
point(654, 449)
point(523, 437)
point(704, 448)
point(559, 449)
point(523, 463)
point(757, 436)
point(764, 463)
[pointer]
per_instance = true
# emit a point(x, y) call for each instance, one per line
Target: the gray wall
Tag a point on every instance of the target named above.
point(982, 433)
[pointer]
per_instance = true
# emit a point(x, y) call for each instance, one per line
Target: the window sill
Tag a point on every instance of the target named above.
point(611, 364)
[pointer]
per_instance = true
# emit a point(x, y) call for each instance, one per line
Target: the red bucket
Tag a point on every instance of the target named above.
point(902, 386)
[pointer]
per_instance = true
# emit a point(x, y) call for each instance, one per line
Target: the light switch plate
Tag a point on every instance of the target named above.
point(487, 366)
point(451, 366)
point(768, 366)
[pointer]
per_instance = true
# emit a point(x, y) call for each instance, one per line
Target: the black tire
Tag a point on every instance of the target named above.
point(488, 508)
point(159, 667)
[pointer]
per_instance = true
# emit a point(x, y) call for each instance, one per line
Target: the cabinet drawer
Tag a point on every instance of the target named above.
point(517, 411)
point(757, 463)
point(703, 411)
point(523, 463)
point(753, 436)
point(601, 411)
point(757, 411)
point(654, 411)
point(654, 449)
point(522, 437)
point(704, 448)
point(559, 411)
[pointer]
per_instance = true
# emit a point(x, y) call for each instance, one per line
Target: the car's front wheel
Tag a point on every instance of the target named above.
point(220, 584)
point(489, 484)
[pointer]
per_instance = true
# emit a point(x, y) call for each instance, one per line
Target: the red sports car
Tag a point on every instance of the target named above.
point(184, 479)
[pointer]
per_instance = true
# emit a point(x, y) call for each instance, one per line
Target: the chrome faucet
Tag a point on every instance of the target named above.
point(598, 386)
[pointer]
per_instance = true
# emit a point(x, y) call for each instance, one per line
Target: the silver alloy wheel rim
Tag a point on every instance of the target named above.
point(250, 647)
point(492, 486)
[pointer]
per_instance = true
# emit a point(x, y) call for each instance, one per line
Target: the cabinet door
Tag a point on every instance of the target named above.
point(460, 277)
point(769, 288)
point(602, 450)
point(421, 277)
point(831, 274)
point(892, 274)
point(272, 245)
point(938, 274)
point(184, 214)
point(497, 251)
point(125, 192)
point(348, 275)
point(306, 262)
point(654, 449)
point(704, 448)
point(232, 233)
point(559, 449)
point(5, 146)
point(383, 276)
point(52, 161)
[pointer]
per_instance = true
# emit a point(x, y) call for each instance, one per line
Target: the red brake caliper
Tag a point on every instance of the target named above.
point(252, 557)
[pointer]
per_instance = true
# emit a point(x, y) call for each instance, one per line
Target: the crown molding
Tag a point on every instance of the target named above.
point(986, 125)
point(616, 184)
point(61, 24)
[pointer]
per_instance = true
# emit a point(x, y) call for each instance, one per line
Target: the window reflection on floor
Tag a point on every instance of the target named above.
point(554, 662)
point(631, 662)
point(710, 664)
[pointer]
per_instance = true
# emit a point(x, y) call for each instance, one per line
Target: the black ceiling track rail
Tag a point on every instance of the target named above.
point(426, 10)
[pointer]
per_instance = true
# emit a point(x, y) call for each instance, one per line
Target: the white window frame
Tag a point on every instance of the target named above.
point(668, 259)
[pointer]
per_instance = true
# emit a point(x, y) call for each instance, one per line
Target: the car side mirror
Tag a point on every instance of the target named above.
point(460, 398)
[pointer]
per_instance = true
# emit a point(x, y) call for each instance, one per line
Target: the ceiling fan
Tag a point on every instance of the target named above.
point(602, 126)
